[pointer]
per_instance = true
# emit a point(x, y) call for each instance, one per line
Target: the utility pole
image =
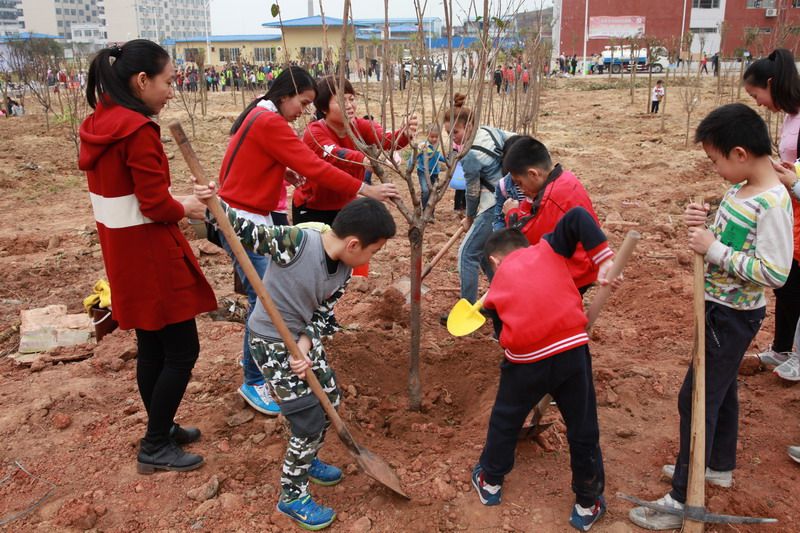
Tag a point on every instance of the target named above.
point(585, 38)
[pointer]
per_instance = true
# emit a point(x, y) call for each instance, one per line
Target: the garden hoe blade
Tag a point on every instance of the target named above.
point(465, 318)
point(698, 514)
point(371, 464)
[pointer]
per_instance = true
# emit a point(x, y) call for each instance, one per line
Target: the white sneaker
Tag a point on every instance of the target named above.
point(719, 478)
point(657, 520)
point(772, 358)
point(790, 369)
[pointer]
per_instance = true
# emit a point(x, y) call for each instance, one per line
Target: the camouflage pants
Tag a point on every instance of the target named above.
point(273, 359)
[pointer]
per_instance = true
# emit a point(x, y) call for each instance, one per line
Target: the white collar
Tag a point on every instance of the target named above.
point(268, 105)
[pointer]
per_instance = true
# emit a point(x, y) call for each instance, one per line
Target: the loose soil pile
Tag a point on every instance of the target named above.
point(76, 425)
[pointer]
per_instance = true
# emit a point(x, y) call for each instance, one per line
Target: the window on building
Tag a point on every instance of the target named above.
point(264, 55)
point(191, 54)
point(228, 54)
point(705, 4)
point(311, 53)
point(58, 11)
point(697, 31)
point(795, 3)
point(755, 4)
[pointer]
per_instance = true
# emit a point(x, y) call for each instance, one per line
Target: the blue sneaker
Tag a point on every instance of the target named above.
point(489, 494)
point(259, 398)
point(323, 473)
point(583, 518)
point(307, 513)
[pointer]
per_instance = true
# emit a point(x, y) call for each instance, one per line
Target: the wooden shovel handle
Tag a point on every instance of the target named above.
point(459, 232)
point(695, 490)
point(252, 276)
point(621, 259)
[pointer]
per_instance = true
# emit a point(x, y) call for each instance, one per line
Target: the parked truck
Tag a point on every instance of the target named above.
point(619, 59)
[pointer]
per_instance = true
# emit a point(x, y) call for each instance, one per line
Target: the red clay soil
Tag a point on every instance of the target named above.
point(76, 425)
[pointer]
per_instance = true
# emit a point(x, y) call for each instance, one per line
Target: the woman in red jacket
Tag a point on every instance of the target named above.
point(157, 284)
point(327, 136)
point(263, 150)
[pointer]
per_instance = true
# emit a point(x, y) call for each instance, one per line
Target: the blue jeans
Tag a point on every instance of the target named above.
point(252, 374)
point(423, 186)
point(470, 255)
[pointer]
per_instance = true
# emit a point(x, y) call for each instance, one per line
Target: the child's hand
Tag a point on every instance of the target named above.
point(785, 172)
point(294, 178)
point(299, 367)
point(467, 223)
point(603, 275)
point(700, 239)
point(510, 204)
point(410, 127)
point(204, 192)
point(696, 214)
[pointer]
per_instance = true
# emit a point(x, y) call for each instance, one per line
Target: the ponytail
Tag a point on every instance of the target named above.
point(780, 68)
point(459, 113)
point(112, 68)
point(290, 82)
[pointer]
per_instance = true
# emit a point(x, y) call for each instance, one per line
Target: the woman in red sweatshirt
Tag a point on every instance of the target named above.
point(327, 136)
point(263, 150)
point(158, 286)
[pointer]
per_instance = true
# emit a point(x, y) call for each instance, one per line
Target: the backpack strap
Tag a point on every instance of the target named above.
point(239, 144)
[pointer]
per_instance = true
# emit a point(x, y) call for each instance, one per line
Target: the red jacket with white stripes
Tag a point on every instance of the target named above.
point(154, 276)
point(559, 197)
point(535, 295)
point(342, 153)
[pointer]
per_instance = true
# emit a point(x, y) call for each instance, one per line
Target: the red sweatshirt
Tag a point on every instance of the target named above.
point(559, 197)
point(340, 152)
point(256, 175)
point(536, 296)
point(154, 276)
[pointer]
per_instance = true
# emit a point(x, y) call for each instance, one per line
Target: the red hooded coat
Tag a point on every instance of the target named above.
point(154, 276)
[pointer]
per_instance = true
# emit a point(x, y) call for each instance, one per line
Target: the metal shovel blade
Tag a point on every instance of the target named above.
point(379, 470)
point(464, 318)
point(697, 514)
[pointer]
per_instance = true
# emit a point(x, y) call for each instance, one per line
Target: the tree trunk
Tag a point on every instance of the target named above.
point(741, 75)
point(688, 121)
point(415, 234)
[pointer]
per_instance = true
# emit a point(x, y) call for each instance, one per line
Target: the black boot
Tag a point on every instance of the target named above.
point(168, 457)
point(183, 435)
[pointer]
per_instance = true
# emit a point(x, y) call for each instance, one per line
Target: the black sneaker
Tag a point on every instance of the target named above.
point(168, 457)
point(184, 435)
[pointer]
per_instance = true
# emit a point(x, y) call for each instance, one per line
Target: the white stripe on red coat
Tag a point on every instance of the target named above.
point(118, 212)
point(557, 347)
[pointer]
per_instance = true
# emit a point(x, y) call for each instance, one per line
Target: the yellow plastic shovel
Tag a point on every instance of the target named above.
point(465, 317)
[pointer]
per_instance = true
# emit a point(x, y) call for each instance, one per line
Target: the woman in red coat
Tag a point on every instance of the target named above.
point(158, 287)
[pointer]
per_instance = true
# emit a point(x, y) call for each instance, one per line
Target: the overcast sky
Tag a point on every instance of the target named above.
point(230, 17)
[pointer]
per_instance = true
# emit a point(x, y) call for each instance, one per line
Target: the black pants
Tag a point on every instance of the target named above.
point(460, 200)
point(304, 214)
point(787, 310)
point(654, 106)
point(164, 366)
point(568, 378)
point(729, 333)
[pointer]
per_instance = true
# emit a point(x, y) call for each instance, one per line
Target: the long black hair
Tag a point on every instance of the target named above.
point(326, 90)
point(292, 81)
point(779, 67)
point(112, 68)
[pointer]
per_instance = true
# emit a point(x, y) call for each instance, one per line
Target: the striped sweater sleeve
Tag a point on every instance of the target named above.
point(769, 266)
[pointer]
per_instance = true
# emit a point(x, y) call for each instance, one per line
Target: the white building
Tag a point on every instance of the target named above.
point(157, 20)
point(10, 17)
point(56, 17)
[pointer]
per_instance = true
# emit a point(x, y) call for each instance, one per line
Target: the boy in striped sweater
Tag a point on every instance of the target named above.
point(747, 248)
point(547, 358)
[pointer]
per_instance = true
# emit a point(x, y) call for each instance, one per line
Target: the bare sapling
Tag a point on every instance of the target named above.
point(690, 94)
point(35, 62)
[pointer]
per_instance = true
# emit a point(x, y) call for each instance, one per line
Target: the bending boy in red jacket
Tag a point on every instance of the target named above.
point(550, 192)
point(545, 353)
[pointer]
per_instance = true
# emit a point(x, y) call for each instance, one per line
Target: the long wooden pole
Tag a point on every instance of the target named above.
point(695, 495)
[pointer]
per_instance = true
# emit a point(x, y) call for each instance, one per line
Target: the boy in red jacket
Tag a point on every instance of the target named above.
point(547, 358)
point(551, 191)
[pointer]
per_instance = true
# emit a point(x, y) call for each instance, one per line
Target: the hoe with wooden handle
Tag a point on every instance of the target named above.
point(370, 464)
